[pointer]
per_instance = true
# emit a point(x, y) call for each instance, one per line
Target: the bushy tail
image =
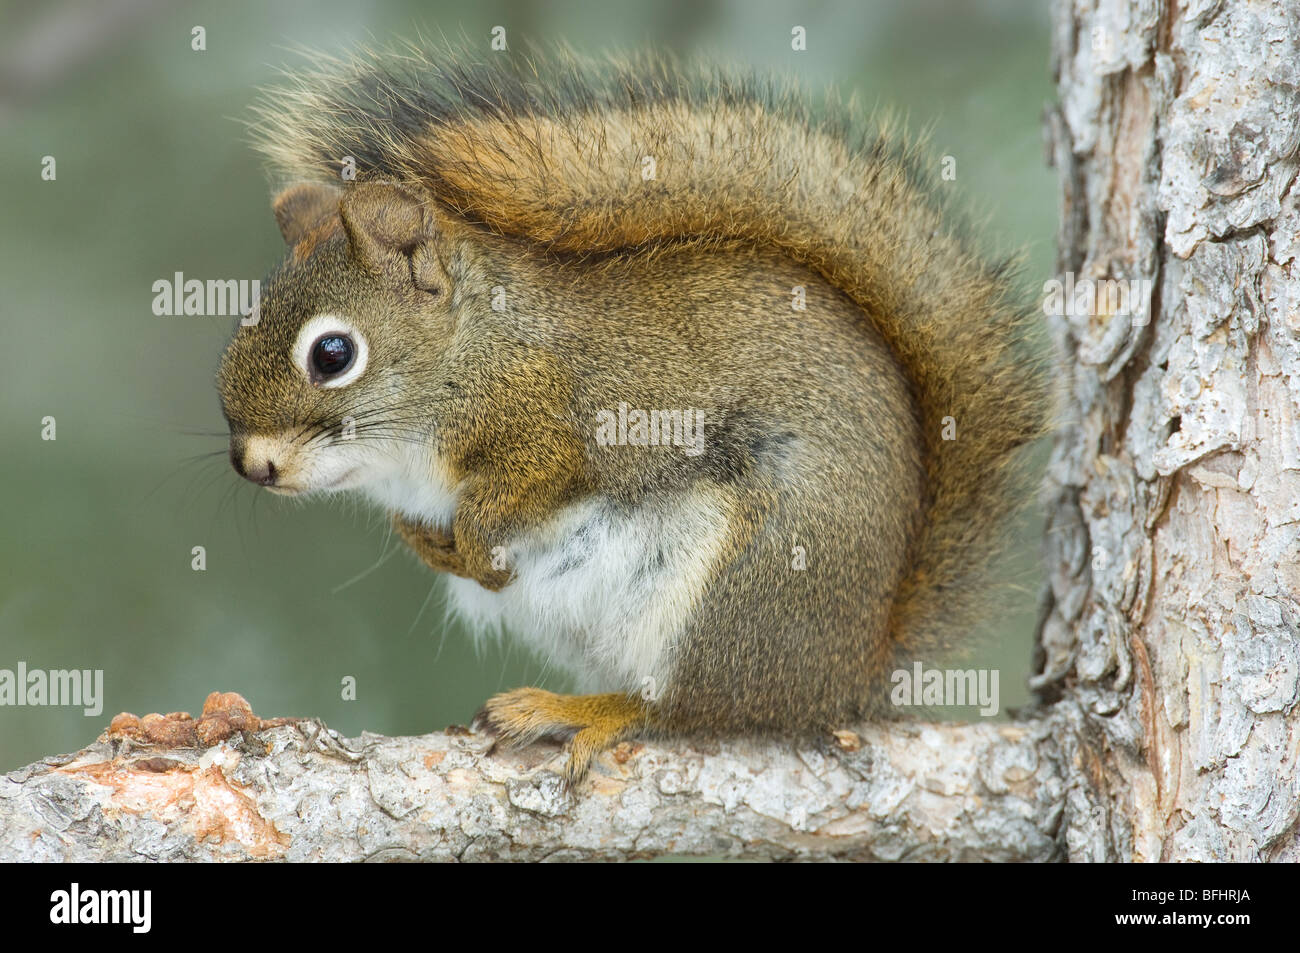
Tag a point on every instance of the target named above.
point(597, 158)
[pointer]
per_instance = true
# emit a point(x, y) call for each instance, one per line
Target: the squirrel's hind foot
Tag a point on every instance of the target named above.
point(591, 723)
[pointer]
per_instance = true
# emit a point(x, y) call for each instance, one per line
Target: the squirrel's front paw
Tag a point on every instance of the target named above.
point(435, 546)
point(592, 723)
point(437, 549)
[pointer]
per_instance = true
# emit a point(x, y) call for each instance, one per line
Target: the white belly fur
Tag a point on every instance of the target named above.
point(589, 597)
point(590, 594)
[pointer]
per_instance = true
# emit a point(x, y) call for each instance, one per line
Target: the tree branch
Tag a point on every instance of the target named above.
point(301, 792)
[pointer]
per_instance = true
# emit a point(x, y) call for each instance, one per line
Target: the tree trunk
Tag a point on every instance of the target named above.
point(1169, 642)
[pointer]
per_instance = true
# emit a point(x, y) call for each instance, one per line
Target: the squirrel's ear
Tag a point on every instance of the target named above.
point(393, 231)
point(300, 208)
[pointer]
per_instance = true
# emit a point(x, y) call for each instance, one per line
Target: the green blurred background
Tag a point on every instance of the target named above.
point(154, 177)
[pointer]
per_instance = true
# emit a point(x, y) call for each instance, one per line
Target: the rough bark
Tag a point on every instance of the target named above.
point(300, 792)
point(1170, 637)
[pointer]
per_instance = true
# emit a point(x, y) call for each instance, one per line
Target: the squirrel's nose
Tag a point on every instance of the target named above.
point(261, 472)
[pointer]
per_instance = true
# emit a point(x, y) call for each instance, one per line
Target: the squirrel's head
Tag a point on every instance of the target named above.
point(317, 391)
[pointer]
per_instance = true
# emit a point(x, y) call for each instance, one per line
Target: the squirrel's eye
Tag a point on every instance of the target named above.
point(329, 351)
point(332, 354)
